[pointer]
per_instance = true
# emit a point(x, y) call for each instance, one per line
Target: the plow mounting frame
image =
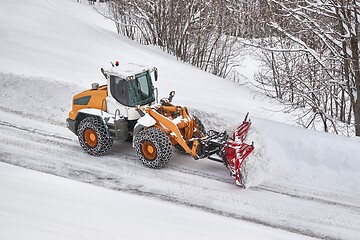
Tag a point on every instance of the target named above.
point(231, 151)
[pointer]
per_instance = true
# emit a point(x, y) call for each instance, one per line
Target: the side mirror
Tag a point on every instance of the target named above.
point(171, 95)
point(155, 74)
point(104, 73)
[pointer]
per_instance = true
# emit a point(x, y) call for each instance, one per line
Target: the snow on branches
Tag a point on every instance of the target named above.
point(313, 57)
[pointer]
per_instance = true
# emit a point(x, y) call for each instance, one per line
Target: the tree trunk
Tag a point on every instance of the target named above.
point(355, 60)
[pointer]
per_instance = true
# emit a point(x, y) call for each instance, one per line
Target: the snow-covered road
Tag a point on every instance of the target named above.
point(200, 184)
point(35, 205)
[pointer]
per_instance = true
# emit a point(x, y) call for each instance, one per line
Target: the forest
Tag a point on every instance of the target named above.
point(309, 49)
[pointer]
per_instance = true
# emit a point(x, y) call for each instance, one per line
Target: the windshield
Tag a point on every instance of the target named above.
point(141, 90)
point(138, 91)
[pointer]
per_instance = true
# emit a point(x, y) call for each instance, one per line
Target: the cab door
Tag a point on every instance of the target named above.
point(118, 96)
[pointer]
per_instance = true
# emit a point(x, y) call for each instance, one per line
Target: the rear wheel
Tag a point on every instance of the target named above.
point(153, 147)
point(93, 136)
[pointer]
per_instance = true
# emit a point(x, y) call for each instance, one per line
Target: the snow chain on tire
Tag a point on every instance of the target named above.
point(200, 125)
point(201, 129)
point(159, 144)
point(102, 142)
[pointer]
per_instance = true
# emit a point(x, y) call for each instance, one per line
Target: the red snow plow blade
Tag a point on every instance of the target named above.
point(236, 151)
point(232, 150)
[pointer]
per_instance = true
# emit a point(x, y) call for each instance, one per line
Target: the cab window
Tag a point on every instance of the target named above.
point(119, 90)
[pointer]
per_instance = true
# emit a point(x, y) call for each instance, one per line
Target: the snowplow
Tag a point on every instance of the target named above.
point(127, 108)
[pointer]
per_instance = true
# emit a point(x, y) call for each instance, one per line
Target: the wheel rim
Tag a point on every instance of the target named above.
point(90, 137)
point(149, 151)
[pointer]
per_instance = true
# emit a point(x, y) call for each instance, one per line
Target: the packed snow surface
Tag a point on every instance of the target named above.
point(41, 206)
point(298, 180)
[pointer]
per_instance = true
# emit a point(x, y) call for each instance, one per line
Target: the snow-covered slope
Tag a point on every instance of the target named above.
point(303, 181)
point(64, 41)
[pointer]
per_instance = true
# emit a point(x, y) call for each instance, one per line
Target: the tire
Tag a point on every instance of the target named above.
point(153, 147)
point(200, 125)
point(93, 136)
point(202, 131)
point(179, 149)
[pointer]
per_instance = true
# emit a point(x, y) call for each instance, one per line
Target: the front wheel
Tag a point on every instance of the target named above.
point(153, 147)
point(201, 128)
point(93, 136)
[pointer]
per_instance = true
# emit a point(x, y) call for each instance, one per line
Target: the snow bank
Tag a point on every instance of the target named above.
point(288, 153)
point(36, 97)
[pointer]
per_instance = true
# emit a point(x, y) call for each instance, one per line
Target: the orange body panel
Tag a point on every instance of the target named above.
point(97, 100)
point(182, 131)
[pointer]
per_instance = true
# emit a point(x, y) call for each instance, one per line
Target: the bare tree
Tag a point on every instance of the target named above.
point(311, 47)
point(314, 58)
point(198, 32)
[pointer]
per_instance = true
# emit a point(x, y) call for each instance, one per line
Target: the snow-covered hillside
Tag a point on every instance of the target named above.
point(302, 181)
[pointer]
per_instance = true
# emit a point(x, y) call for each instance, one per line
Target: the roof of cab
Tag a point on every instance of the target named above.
point(127, 70)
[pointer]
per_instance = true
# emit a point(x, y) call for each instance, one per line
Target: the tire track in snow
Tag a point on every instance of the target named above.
point(263, 187)
point(32, 130)
point(308, 198)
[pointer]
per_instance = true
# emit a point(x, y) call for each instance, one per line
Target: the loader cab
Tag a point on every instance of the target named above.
point(130, 85)
point(137, 90)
